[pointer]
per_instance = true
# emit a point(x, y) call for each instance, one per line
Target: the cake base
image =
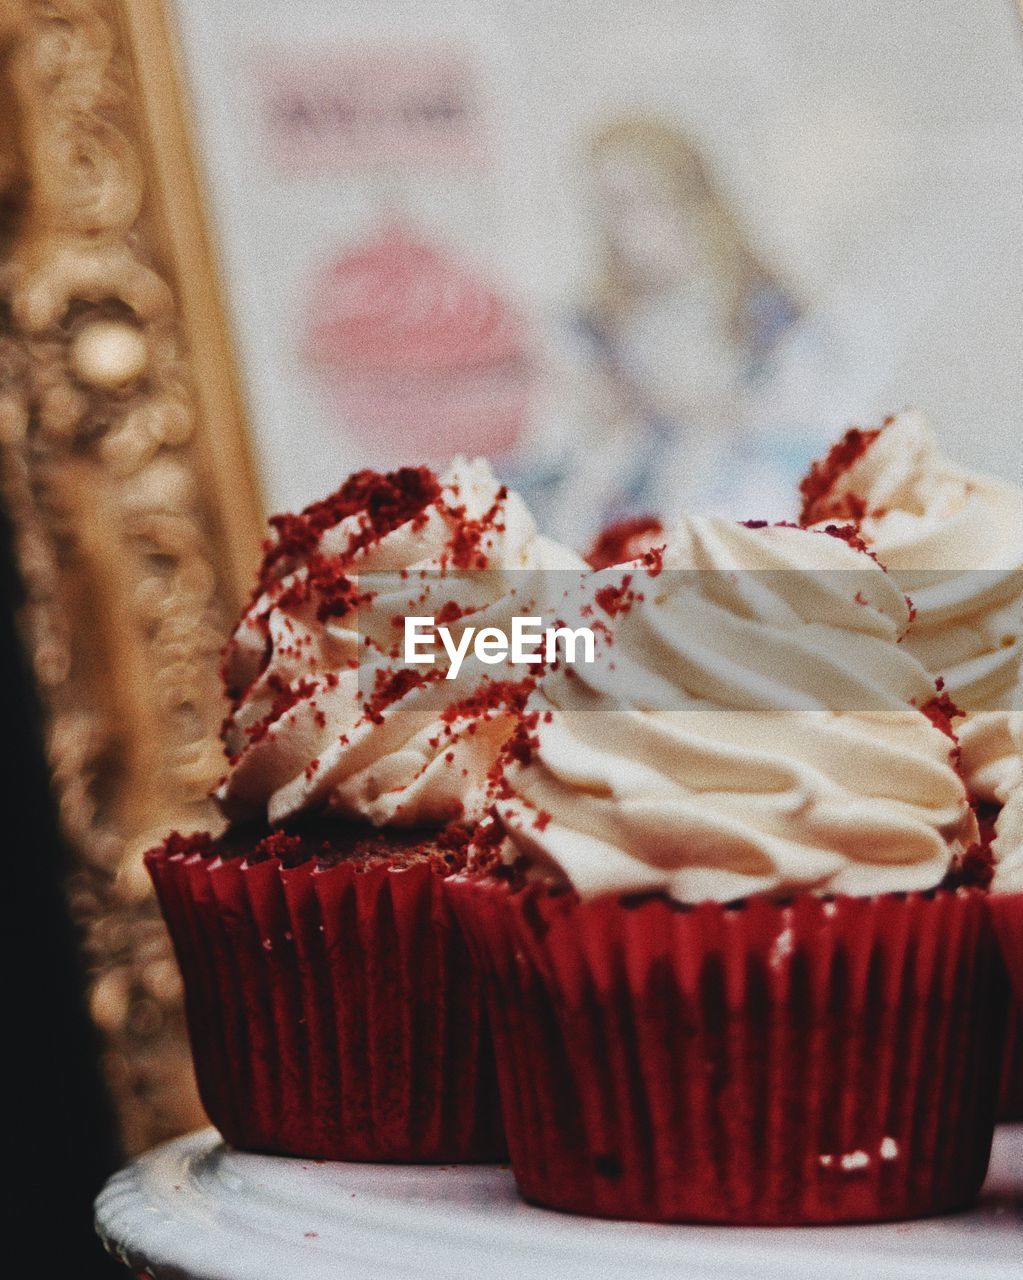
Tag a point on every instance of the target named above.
point(194, 1208)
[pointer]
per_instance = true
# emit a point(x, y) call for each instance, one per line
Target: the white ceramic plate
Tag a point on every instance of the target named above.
point(194, 1208)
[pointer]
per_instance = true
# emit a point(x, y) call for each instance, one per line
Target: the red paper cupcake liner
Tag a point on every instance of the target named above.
point(333, 1012)
point(1010, 1092)
point(811, 1062)
point(1007, 913)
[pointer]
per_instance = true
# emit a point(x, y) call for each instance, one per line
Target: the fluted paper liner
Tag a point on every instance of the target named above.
point(1007, 913)
point(1010, 1092)
point(816, 1062)
point(333, 1012)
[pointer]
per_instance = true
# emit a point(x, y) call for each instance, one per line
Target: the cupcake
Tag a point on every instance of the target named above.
point(332, 1005)
point(736, 968)
point(954, 540)
point(416, 355)
point(1007, 909)
point(1010, 1087)
point(626, 539)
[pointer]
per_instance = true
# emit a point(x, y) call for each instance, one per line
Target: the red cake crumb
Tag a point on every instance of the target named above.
point(465, 548)
point(328, 842)
point(849, 533)
point(484, 852)
point(287, 697)
point(616, 599)
point(844, 532)
point(454, 838)
point(390, 686)
point(489, 698)
point(623, 540)
point(523, 741)
point(975, 868)
point(235, 692)
point(941, 711)
point(816, 487)
point(278, 844)
point(383, 502)
point(197, 842)
point(337, 593)
point(450, 611)
point(653, 561)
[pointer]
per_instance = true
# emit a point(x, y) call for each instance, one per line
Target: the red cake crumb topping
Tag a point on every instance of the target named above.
point(617, 599)
point(623, 540)
point(325, 579)
point(816, 487)
point(523, 741)
point(450, 611)
point(391, 686)
point(849, 533)
point(328, 842)
point(235, 692)
point(177, 844)
point(973, 869)
point(287, 696)
point(491, 697)
point(941, 711)
point(279, 844)
point(653, 561)
point(465, 550)
point(517, 749)
point(482, 851)
point(454, 838)
point(383, 501)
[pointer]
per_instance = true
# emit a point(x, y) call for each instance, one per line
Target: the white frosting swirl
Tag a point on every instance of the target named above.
point(742, 732)
point(1007, 847)
point(324, 720)
point(954, 542)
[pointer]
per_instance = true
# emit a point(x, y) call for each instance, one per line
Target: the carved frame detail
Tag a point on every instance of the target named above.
point(125, 471)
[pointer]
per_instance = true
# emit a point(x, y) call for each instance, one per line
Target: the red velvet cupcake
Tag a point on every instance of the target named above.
point(954, 541)
point(1007, 911)
point(736, 968)
point(332, 1005)
point(1010, 1088)
point(624, 540)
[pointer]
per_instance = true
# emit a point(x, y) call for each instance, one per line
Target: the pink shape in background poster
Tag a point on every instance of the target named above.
point(705, 353)
point(416, 354)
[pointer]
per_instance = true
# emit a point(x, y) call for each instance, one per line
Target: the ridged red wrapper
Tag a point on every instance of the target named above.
point(819, 1061)
point(1007, 913)
point(1010, 1092)
point(333, 1012)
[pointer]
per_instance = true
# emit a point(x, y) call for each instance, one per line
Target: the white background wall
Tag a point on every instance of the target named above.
point(875, 149)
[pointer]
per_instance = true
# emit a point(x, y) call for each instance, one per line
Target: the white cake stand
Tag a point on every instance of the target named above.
point(196, 1209)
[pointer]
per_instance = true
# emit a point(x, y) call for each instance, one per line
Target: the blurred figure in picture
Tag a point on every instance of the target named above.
point(688, 330)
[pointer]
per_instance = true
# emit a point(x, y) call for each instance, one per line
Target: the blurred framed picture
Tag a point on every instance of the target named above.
point(643, 256)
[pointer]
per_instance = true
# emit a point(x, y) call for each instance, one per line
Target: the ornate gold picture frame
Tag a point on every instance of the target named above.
point(128, 481)
point(128, 478)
